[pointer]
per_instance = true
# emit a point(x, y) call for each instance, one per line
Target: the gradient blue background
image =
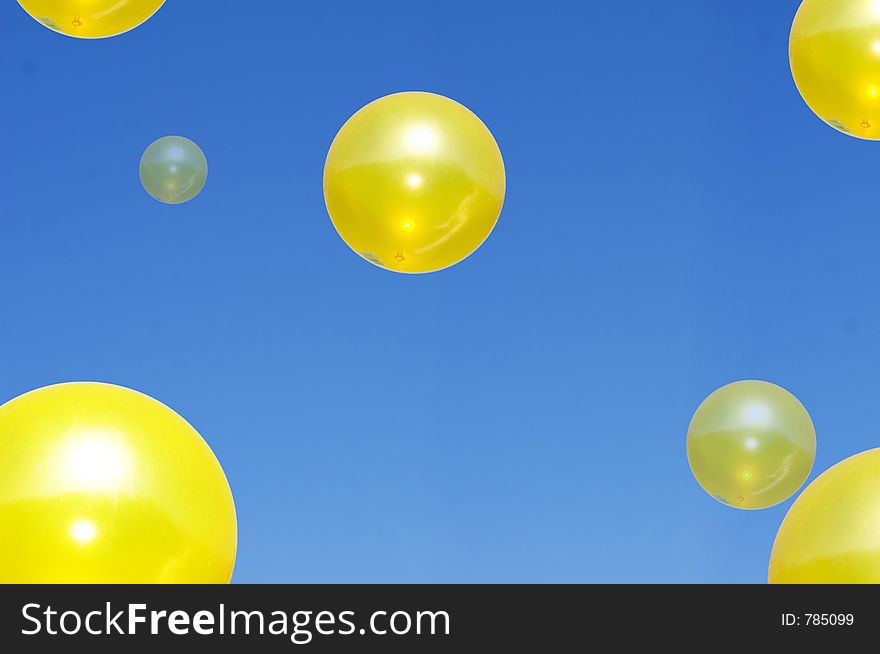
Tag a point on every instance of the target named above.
point(676, 219)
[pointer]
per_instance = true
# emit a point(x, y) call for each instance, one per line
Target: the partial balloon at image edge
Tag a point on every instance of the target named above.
point(834, 52)
point(831, 533)
point(99, 19)
point(103, 484)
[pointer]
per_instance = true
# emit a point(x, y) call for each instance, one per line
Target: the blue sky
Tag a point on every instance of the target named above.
point(676, 219)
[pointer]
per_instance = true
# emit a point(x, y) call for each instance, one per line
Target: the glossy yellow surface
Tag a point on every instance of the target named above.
point(751, 444)
point(831, 534)
point(835, 59)
point(91, 19)
point(414, 182)
point(101, 484)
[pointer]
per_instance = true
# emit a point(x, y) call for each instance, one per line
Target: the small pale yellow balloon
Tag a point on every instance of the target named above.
point(835, 59)
point(101, 484)
point(831, 534)
point(91, 19)
point(414, 182)
point(751, 444)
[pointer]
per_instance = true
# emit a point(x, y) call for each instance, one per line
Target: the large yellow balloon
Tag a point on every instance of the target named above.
point(91, 19)
point(831, 534)
point(414, 182)
point(100, 484)
point(835, 59)
point(751, 445)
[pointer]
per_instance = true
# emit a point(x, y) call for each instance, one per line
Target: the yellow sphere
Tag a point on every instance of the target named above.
point(835, 59)
point(414, 182)
point(751, 445)
point(100, 484)
point(831, 534)
point(91, 19)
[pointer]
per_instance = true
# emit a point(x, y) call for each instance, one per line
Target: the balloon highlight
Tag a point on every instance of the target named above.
point(751, 445)
point(101, 484)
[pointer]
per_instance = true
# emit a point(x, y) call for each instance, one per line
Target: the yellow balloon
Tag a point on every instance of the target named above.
point(414, 182)
point(835, 59)
point(91, 19)
point(751, 444)
point(100, 484)
point(831, 534)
